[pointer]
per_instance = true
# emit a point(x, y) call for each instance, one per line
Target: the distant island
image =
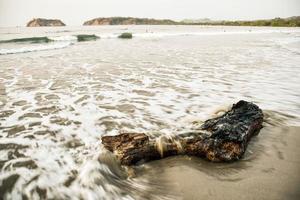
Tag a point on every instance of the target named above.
point(129, 21)
point(44, 22)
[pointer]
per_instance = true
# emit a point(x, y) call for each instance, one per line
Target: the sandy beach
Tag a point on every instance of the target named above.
point(58, 98)
point(269, 171)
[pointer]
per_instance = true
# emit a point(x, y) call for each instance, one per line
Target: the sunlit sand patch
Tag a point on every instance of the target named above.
point(32, 124)
point(85, 97)
point(15, 129)
point(6, 113)
point(48, 109)
point(46, 132)
point(30, 115)
point(126, 108)
point(58, 84)
point(52, 97)
point(63, 121)
point(144, 93)
point(20, 103)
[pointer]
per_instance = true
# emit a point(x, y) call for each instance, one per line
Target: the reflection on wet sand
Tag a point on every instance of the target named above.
point(269, 170)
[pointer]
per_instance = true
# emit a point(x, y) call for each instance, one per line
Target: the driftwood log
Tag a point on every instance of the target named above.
point(221, 139)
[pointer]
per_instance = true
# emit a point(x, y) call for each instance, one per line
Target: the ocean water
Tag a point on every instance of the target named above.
point(58, 98)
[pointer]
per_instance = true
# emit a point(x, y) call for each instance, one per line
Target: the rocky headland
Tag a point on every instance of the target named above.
point(36, 22)
point(128, 21)
point(281, 22)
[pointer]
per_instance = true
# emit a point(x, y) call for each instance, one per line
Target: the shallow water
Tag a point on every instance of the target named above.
point(57, 99)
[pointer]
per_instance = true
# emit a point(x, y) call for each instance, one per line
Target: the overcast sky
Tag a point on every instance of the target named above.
point(75, 12)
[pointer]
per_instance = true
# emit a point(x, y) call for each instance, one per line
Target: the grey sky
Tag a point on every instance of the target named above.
point(75, 12)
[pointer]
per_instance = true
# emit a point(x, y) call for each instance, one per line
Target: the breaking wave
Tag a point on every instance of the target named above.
point(64, 38)
point(44, 43)
point(41, 47)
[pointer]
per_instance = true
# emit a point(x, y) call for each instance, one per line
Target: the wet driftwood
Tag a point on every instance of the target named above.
point(220, 139)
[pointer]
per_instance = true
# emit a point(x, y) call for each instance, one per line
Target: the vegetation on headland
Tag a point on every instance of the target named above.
point(129, 21)
point(84, 37)
point(285, 22)
point(125, 36)
point(276, 22)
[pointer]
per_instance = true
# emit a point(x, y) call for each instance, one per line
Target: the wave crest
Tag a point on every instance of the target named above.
point(57, 45)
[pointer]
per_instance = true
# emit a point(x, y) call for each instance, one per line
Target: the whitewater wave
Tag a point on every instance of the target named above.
point(42, 47)
point(148, 33)
point(45, 43)
point(63, 41)
point(64, 38)
point(47, 39)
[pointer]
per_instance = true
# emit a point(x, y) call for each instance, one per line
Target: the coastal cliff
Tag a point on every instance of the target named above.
point(44, 22)
point(128, 21)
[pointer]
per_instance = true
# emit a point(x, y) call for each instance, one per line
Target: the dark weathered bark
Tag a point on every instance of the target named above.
point(224, 138)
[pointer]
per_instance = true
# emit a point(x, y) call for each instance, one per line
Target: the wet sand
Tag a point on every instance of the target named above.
point(270, 170)
point(56, 104)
